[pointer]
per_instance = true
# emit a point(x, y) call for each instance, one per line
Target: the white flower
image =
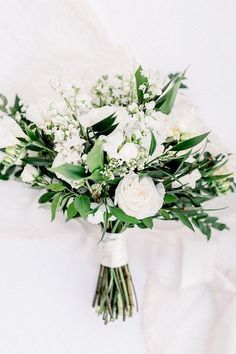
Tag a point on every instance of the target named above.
point(139, 197)
point(38, 112)
point(29, 174)
point(113, 147)
point(128, 151)
point(159, 123)
point(83, 103)
point(150, 105)
point(133, 108)
point(142, 88)
point(112, 143)
point(9, 132)
point(189, 179)
point(183, 119)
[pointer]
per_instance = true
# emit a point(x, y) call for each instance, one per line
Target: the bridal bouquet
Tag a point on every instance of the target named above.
point(121, 152)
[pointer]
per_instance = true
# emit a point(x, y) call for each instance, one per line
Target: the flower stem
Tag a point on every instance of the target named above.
point(114, 293)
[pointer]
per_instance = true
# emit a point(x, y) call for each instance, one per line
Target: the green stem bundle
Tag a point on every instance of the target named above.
point(115, 294)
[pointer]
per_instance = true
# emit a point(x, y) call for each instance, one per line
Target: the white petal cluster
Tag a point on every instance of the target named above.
point(118, 91)
point(156, 82)
point(66, 132)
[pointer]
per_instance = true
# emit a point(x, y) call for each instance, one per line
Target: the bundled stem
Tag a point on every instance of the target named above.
point(115, 294)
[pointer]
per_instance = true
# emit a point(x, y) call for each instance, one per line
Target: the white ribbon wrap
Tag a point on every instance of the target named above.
point(113, 250)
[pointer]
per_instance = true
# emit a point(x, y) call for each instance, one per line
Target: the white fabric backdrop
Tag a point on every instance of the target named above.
point(48, 271)
point(173, 35)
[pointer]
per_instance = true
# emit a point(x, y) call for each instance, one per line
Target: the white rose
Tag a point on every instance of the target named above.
point(139, 197)
point(29, 174)
point(128, 151)
point(189, 179)
point(95, 115)
point(9, 132)
point(38, 112)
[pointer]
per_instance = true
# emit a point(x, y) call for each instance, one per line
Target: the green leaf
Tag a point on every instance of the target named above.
point(189, 143)
point(33, 148)
point(95, 176)
point(140, 80)
point(64, 200)
point(171, 75)
point(170, 198)
point(31, 134)
point(3, 100)
point(3, 103)
point(148, 222)
point(72, 172)
point(42, 146)
point(108, 130)
point(156, 174)
point(142, 226)
point(10, 170)
point(82, 205)
point(16, 107)
point(71, 211)
point(164, 214)
point(37, 161)
point(120, 215)
point(54, 205)
point(95, 156)
point(4, 177)
point(219, 226)
point(104, 123)
point(46, 197)
point(153, 144)
point(166, 101)
point(218, 177)
point(55, 187)
point(182, 217)
point(206, 230)
point(211, 219)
